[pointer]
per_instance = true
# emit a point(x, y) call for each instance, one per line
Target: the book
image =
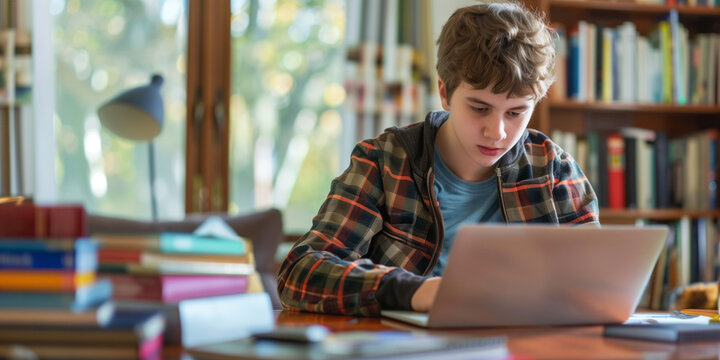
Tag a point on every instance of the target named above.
point(179, 267)
point(360, 345)
point(149, 350)
point(136, 332)
point(215, 319)
point(616, 171)
point(631, 162)
point(82, 298)
point(175, 243)
point(169, 288)
point(664, 332)
point(221, 318)
point(79, 255)
point(59, 315)
point(29, 220)
point(139, 256)
point(662, 171)
point(41, 280)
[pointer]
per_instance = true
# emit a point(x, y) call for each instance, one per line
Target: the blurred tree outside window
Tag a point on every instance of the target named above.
point(104, 47)
point(287, 88)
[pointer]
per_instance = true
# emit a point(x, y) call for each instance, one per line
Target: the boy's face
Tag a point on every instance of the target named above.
point(486, 125)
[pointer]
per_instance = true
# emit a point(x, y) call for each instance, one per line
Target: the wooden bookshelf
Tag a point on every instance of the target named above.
point(631, 6)
point(585, 111)
point(634, 107)
point(625, 215)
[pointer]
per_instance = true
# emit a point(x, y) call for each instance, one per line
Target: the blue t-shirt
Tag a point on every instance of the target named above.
point(462, 202)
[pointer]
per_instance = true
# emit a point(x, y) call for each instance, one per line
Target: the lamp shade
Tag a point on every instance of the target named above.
point(136, 114)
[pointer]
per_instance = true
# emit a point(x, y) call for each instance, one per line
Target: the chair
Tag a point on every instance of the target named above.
point(263, 229)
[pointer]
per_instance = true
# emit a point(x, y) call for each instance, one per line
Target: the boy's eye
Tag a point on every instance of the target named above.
point(480, 109)
point(514, 113)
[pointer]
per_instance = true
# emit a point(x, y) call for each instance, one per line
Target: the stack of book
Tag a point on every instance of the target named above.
point(169, 272)
point(52, 305)
point(170, 267)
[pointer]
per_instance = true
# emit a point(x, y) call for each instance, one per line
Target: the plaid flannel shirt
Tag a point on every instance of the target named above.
point(379, 232)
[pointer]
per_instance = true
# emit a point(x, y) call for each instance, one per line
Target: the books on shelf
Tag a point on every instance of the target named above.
point(385, 72)
point(690, 256)
point(665, 66)
point(643, 169)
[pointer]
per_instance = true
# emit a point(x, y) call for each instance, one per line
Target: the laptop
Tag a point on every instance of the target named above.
point(536, 275)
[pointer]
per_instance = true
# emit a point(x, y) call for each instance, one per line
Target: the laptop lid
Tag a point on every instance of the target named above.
point(510, 275)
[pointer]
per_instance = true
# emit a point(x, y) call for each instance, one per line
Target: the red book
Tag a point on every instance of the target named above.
point(616, 171)
point(42, 221)
point(119, 256)
point(171, 288)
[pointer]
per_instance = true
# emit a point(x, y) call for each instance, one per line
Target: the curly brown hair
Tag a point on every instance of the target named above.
point(502, 44)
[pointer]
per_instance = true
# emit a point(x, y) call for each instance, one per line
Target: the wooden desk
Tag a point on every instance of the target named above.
point(564, 342)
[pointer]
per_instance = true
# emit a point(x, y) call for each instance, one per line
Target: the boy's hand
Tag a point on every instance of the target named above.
point(425, 295)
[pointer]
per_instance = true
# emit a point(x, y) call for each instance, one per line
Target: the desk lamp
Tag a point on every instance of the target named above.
point(137, 114)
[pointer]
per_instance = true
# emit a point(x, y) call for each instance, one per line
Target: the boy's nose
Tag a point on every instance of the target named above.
point(495, 129)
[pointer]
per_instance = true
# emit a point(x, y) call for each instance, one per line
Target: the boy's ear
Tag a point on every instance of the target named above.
point(443, 94)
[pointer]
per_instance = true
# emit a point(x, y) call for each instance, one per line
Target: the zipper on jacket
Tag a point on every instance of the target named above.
point(437, 216)
point(499, 189)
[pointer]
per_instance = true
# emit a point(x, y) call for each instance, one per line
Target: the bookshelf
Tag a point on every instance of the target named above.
point(387, 70)
point(647, 76)
point(15, 93)
point(676, 115)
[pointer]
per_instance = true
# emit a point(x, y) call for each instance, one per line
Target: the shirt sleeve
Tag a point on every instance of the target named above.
point(574, 197)
point(325, 270)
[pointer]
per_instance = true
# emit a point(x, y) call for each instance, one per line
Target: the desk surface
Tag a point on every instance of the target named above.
point(571, 342)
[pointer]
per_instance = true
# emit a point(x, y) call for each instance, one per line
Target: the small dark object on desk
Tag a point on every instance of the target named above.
point(300, 334)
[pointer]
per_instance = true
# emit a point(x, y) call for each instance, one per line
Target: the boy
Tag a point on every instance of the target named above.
point(382, 237)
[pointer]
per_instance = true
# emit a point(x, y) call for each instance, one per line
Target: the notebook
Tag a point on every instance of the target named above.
point(375, 345)
point(669, 327)
point(531, 275)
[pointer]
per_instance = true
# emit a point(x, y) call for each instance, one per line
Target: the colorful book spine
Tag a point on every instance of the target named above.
point(100, 315)
point(616, 171)
point(667, 68)
point(713, 136)
point(78, 255)
point(573, 77)
point(80, 299)
point(171, 288)
point(607, 65)
point(29, 220)
point(191, 243)
point(30, 280)
point(119, 256)
point(175, 243)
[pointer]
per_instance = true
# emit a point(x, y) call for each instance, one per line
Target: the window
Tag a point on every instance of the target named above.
point(102, 48)
point(286, 87)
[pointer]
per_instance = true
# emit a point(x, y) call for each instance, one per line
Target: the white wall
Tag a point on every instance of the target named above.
point(41, 163)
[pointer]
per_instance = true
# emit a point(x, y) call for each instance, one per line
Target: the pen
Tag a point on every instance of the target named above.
point(712, 314)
